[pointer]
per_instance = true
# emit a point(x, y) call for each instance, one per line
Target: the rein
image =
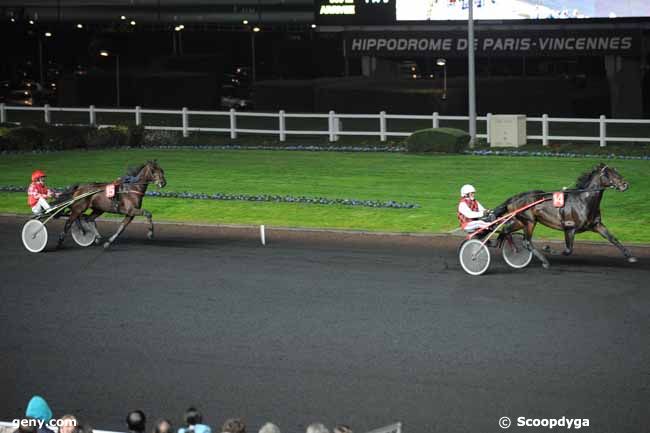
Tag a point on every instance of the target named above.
point(572, 191)
point(136, 183)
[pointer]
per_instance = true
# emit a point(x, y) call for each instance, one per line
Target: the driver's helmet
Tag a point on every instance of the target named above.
point(37, 174)
point(466, 189)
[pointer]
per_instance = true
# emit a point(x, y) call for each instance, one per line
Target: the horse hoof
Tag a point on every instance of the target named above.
point(107, 245)
point(150, 235)
point(546, 265)
point(547, 249)
point(632, 259)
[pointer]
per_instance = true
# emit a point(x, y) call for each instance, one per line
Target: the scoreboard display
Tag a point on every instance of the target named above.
point(356, 12)
point(369, 12)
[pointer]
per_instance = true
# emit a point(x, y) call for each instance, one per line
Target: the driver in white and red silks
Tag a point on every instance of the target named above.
point(38, 193)
point(470, 210)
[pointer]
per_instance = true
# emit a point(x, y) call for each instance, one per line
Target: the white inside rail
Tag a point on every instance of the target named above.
point(337, 123)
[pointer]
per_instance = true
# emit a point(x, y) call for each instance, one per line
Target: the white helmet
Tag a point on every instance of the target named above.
point(466, 189)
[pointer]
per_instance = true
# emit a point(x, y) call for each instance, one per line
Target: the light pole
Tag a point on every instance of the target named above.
point(471, 76)
point(105, 53)
point(443, 63)
point(255, 29)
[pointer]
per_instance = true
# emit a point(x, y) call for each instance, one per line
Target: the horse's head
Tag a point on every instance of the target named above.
point(154, 173)
point(610, 178)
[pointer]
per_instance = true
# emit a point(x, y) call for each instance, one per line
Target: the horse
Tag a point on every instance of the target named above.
point(580, 213)
point(128, 202)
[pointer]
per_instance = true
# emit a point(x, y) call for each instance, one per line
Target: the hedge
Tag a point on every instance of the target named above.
point(439, 140)
point(46, 137)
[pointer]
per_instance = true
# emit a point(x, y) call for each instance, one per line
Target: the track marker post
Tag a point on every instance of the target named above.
point(263, 234)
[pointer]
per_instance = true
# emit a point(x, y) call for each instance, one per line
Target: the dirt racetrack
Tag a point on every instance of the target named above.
point(346, 328)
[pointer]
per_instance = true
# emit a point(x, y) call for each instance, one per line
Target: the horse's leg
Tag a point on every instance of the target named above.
point(125, 222)
point(74, 215)
point(529, 227)
point(149, 218)
point(145, 213)
point(569, 236)
point(92, 217)
point(600, 228)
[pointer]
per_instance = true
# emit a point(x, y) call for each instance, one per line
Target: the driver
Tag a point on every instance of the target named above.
point(38, 193)
point(470, 210)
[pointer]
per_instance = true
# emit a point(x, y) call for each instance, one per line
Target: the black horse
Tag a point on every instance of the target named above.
point(580, 213)
point(128, 202)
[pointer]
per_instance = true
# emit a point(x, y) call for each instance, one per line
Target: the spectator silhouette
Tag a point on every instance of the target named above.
point(69, 424)
point(38, 409)
point(317, 428)
point(136, 421)
point(269, 428)
point(193, 420)
point(163, 426)
point(234, 425)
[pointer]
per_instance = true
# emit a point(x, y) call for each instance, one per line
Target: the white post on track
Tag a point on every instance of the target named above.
point(263, 234)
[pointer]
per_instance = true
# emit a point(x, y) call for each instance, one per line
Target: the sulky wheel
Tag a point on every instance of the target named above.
point(83, 231)
point(34, 236)
point(515, 252)
point(474, 257)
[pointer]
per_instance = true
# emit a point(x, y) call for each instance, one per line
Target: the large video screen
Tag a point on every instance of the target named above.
point(441, 10)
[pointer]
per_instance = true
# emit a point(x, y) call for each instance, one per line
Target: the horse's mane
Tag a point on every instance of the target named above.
point(585, 178)
point(134, 170)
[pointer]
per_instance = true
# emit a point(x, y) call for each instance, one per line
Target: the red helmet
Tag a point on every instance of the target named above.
point(37, 174)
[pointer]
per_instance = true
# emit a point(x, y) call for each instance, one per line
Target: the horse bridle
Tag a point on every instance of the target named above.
point(153, 180)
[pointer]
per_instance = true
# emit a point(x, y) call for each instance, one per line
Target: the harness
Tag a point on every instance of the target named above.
point(122, 187)
point(559, 203)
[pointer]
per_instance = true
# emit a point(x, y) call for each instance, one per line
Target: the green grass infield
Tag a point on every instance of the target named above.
point(431, 181)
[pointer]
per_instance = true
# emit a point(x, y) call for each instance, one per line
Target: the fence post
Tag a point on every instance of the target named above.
point(603, 131)
point(382, 126)
point(185, 122)
point(436, 121)
point(488, 119)
point(93, 116)
point(3, 113)
point(233, 124)
point(544, 129)
point(332, 126)
point(46, 113)
point(138, 116)
point(282, 125)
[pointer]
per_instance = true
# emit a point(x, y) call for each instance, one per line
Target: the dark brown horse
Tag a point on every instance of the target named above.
point(580, 213)
point(128, 202)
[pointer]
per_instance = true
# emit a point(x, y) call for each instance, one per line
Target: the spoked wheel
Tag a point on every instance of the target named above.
point(474, 257)
point(34, 236)
point(514, 251)
point(83, 232)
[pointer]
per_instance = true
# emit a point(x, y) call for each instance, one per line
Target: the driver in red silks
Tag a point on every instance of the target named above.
point(470, 210)
point(38, 193)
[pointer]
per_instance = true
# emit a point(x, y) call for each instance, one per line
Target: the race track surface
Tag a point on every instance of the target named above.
point(362, 330)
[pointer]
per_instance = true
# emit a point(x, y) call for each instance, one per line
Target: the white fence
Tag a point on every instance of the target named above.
point(334, 123)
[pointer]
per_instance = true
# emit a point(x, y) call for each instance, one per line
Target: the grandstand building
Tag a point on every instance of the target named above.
point(561, 57)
